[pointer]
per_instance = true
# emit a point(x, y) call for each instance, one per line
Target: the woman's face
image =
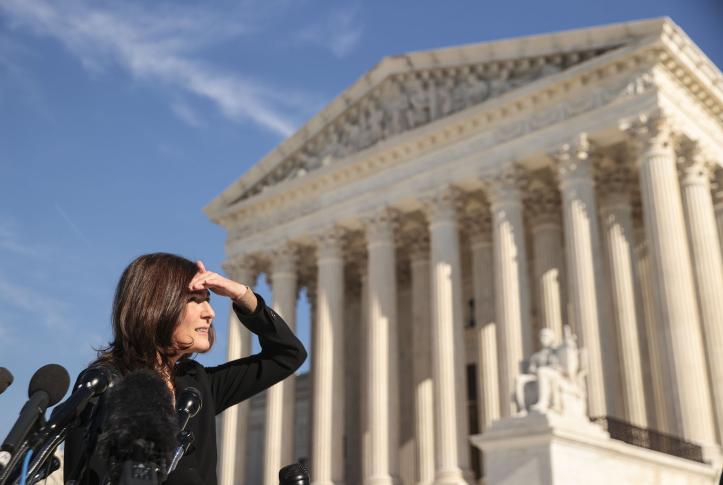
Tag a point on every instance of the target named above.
point(193, 329)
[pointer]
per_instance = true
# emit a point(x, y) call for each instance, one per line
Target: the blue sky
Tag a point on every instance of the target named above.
point(120, 120)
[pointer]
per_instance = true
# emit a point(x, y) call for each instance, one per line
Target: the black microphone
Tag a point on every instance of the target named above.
point(188, 404)
point(91, 383)
point(47, 386)
point(6, 378)
point(294, 474)
point(140, 430)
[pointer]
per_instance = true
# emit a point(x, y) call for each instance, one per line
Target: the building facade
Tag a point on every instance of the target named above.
point(451, 203)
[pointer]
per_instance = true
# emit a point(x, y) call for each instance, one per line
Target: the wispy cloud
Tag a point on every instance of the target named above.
point(159, 43)
point(187, 114)
point(10, 241)
point(5, 332)
point(49, 309)
point(340, 31)
point(64, 215)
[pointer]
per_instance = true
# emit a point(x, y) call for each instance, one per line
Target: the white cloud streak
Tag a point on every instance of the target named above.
point(340, 31)
point(64, 215)
point(48, 309)
point(157, 43)
point(10, 241)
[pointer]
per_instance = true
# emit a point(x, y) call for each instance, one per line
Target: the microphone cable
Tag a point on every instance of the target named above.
point(24, 469)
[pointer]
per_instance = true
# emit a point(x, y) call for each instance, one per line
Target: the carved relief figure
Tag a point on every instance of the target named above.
point(396, 103)
point(418, 112)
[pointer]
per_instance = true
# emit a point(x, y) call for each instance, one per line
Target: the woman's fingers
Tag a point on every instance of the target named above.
point(213, 281)
point(198, 278)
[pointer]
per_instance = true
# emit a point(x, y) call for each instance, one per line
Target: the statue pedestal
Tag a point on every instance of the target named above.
point(550, 449)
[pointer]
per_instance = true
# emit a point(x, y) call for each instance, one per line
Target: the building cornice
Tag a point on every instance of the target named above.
point(504, 53)
point(621, 73)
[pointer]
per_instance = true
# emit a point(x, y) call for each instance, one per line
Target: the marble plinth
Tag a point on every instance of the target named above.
point(550, 449)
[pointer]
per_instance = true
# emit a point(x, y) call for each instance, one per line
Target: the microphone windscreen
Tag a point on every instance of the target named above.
point(6, 378)
point(189, 400)
point(294, 474)
point(53, 379)
point(140, 419)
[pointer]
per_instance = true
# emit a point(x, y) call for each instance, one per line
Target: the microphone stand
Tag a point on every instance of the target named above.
point(185, 438)
point(46, 452)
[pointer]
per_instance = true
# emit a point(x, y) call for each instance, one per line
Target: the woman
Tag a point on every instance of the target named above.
point(161, 317)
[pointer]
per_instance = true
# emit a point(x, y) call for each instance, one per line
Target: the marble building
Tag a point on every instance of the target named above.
point(451, 203)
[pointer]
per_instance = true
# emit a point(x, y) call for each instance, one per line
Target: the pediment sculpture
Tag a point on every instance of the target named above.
point(553, 378)
point(408, 100)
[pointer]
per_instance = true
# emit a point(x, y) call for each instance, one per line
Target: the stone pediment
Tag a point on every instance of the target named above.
point(403, 93)
point(409, 100)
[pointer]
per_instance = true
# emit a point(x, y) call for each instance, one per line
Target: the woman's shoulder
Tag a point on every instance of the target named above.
point(190, 368)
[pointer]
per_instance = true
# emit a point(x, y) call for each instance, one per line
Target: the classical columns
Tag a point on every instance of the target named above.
point(512, 307)
point(382, 321)
point(280, 397)
point(479, 229)
point(450, 396)
point(328, 366)
point(421, 350)
point(583, 267)
point(615, 183)
point(673, 279)
point(233, 440)
point(696, 170)
point(549, 258)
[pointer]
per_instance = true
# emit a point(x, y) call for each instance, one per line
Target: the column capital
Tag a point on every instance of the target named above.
point(442, 204)
point(573, 160)
point(543, 202)
point(329, 243)
point(648, 130)
point(244, 268)
point(285, 258)
point(381, 224)
point(695, 167)
point(614, 180)
point(504, 186)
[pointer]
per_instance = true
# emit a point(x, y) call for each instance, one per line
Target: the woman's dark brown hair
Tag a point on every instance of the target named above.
point(149, 302)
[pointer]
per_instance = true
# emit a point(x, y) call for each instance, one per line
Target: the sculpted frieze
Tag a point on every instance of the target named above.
point(409, 100)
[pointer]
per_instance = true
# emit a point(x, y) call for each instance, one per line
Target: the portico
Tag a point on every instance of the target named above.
point(507, 174)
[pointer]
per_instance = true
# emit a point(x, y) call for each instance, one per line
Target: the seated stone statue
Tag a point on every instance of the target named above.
point(553, 379)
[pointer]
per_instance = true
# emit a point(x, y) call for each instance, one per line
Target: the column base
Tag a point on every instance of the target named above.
point(450, 477)
point(381, 480)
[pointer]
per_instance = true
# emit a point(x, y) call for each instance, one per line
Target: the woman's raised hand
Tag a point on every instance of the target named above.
point(208, 280)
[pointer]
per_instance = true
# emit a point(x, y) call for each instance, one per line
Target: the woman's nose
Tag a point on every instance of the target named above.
point(208, 311)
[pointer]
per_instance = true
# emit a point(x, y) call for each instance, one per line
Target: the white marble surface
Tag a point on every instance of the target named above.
point(553, 450)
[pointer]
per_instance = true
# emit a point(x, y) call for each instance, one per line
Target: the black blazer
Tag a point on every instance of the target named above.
point(221, 387)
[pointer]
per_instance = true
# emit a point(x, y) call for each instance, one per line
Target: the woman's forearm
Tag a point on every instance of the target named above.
point(246, 301)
